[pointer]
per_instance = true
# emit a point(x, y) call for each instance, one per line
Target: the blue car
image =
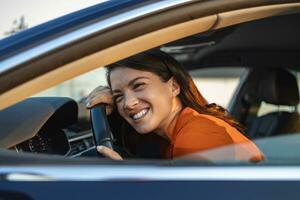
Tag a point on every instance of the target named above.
point(245, 52)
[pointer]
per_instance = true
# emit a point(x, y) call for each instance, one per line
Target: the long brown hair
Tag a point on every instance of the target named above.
point(167, 67)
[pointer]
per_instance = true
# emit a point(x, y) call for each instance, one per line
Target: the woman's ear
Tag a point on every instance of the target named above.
point(175, 87)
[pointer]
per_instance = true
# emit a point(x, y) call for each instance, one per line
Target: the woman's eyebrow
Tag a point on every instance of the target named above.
point(130, 83)
point(138, 78)
point(116, 91)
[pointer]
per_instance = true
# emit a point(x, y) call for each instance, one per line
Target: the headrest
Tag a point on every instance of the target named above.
point(279, 87)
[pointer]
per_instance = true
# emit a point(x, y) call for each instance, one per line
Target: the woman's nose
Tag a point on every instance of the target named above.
point(130, 101)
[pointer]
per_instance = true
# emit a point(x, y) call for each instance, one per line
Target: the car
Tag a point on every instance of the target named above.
point(47, 145)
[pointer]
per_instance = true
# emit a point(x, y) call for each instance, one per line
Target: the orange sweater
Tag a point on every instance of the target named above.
point(196, 132)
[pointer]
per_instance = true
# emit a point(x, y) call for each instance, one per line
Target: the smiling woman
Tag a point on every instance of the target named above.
point(156, 110)
point(155, 95)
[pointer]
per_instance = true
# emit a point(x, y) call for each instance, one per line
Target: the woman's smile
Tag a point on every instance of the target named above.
point(141, 114)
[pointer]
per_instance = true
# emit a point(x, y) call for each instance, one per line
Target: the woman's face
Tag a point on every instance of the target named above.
point(143, 100)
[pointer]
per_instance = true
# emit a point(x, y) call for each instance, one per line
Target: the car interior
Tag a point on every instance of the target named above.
point(268, 48)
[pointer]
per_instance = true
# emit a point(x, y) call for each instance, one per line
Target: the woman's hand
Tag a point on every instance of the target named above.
point(101, 94)
point(109, 153)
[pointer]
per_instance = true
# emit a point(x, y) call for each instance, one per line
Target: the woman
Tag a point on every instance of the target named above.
point(154, 94)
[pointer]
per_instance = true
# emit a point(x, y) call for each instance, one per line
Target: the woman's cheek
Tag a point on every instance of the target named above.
point(149, 95)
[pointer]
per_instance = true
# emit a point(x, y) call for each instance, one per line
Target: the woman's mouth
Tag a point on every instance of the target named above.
point(140, 114)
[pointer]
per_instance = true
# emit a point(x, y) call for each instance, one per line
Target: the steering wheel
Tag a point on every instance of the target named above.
point(100, 127)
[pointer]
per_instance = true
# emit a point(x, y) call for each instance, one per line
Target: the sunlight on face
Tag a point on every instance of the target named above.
point(142, 99)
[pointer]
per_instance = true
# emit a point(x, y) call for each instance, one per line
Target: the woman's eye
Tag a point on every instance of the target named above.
point(138, 85)
point(118, 98)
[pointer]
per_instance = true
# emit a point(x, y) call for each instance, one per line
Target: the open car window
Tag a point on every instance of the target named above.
point(217, 84)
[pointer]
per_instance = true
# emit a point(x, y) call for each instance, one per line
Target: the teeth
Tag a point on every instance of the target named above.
point(140, 114)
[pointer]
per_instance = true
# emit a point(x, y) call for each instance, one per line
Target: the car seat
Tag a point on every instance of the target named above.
point(278, 87)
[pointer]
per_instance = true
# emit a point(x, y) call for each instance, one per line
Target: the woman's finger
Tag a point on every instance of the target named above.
point(101, 94)
point(109, 105)
point(96, 91)
point(99, 90)
point(109, 153)
point(102, 98)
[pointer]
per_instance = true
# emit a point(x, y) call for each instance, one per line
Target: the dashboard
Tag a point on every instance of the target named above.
point(44, 125)
point(55, 142)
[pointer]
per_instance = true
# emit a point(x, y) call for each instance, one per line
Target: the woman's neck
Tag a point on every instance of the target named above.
point(167, 130)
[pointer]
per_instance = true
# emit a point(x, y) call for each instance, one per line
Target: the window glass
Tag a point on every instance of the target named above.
point(218, 84)
point(78, 87)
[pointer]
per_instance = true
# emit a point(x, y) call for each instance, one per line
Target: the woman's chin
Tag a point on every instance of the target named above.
point(143, 130)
